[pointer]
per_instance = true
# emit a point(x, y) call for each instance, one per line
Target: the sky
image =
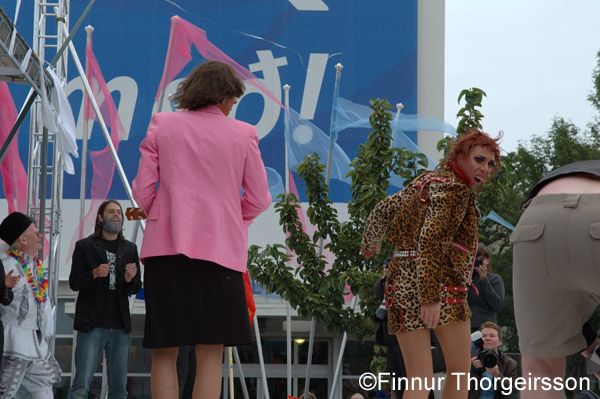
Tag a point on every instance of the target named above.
point(533, 58)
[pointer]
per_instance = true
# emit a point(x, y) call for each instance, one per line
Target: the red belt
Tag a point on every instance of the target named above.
point(454, 289)
point(452, 300)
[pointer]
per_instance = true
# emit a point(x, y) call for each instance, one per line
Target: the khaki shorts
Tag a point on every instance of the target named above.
point(556, 272)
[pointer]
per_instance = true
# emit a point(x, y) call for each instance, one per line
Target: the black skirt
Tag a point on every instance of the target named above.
point(193, 301)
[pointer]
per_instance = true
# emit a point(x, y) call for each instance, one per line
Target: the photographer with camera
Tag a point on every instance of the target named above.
point(490, 287)
point(487, 362)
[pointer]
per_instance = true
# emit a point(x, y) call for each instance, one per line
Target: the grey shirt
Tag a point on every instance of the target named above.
point(486, 305)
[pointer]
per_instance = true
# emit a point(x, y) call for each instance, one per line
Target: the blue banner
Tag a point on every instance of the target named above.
point(295, 42)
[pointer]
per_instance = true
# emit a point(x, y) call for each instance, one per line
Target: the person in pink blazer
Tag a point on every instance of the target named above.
point(194, 165)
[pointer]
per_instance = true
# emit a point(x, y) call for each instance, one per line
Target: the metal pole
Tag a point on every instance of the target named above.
point(241, 371)
point(399, 107)
point(163, 88)
point(84, 146)
point(288, 318)
point(18, 6)
point(286, 128)
point(43, 182)
point(311, 340)
point(230, 357)
point(263, 372)
point(336, 93)
point(134, 234)
point(340, 357)
point(288, 321)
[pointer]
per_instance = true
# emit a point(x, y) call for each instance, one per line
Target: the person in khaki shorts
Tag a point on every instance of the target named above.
point(556, 272)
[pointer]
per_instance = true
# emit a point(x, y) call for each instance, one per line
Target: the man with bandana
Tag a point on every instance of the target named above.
point(105, 268)
point(28, 365)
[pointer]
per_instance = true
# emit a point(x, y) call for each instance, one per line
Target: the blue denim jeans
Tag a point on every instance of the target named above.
point(116, 346)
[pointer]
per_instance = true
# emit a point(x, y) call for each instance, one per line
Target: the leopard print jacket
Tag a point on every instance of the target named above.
point(433, 226)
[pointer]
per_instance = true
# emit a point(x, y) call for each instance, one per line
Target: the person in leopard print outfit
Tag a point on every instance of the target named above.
point(433, 227)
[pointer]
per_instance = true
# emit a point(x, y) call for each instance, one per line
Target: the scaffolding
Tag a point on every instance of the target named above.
point(18, 62)
point(44, 188)
point(22, 64)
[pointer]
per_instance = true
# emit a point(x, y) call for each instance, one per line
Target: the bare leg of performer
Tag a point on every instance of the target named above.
point(163, 376)
point(540, 367)
point(208, 371)
point(416, 350)
point(455, 339)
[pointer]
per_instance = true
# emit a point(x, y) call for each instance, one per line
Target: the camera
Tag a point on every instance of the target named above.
point(478, 262)
point(487, 356)
point(381, 313)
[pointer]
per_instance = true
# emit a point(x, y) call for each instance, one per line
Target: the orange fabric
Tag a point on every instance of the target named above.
point(249, 297)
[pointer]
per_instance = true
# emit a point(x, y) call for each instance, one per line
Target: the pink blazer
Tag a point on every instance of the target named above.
point(201, 160)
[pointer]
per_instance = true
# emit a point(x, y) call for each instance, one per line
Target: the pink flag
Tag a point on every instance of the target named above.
point(104, 99)
point(103, 164)
point(14, 177)
point(183, 35)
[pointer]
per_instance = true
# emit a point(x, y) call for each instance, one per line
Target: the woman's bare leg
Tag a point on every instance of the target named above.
point(163, 376)
point(208, 371)
point(455, 339)
point(416, 351)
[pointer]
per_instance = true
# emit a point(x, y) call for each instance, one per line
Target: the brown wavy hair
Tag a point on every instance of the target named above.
point(210, 83)
point(463, 144)
point(98, 225)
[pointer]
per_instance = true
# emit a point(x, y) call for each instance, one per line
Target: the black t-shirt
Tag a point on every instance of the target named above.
point(111, 318)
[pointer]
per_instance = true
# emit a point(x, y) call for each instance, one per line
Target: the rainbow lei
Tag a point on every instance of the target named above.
point(39, 287)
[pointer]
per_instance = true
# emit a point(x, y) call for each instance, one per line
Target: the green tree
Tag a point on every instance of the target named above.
point(594, 97)
point(311, 289)
point(469, 116)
